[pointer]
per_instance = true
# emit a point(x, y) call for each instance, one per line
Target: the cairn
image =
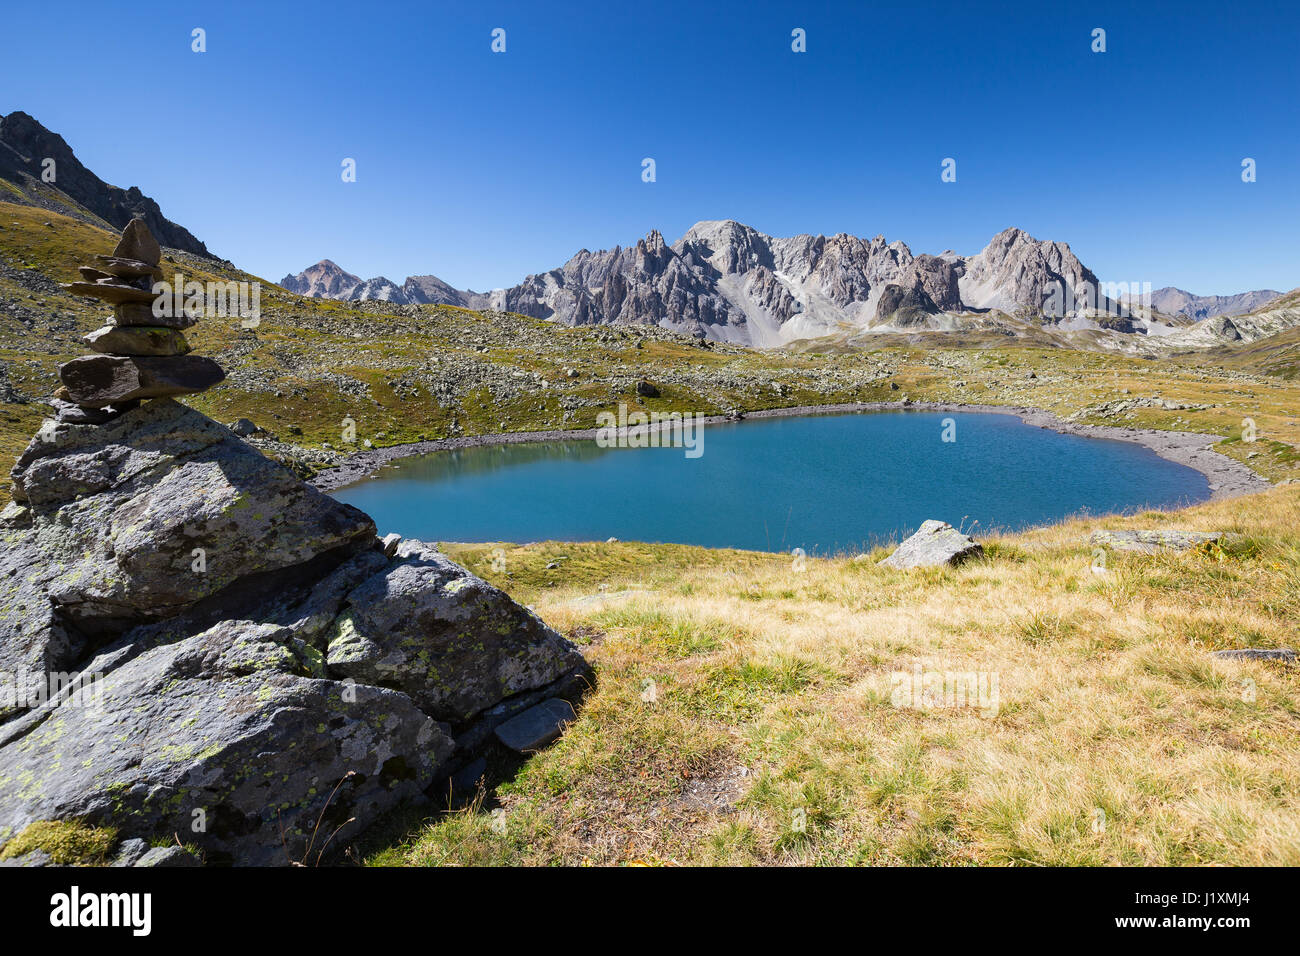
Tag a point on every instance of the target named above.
point(142, 354)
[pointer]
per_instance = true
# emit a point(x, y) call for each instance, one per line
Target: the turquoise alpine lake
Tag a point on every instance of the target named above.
point(824, 483)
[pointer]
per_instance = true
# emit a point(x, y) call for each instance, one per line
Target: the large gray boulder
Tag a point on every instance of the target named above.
point(293, 686)
point(935, 543)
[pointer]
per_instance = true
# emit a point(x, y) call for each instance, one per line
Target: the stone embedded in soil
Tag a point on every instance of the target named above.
point(1256, 654)
point(140, 314)
point(138, 243)
point(1149, 542)
point(537, 726)
point(138, 340)
point(98, 380)
point(935, 543)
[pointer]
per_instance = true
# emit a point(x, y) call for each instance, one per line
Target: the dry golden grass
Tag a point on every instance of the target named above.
point(744, 711)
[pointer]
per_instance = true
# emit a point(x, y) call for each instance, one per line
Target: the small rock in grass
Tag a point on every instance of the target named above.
point(1256, 654)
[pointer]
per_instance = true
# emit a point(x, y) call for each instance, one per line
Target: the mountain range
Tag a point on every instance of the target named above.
point(727, 281)
point(1173, 301)
point(722, 280)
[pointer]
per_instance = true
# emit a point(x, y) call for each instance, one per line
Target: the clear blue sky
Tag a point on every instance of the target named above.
point(482, 167)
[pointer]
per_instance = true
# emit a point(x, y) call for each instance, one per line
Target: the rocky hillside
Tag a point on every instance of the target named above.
point(405, 373)
point(25, 149)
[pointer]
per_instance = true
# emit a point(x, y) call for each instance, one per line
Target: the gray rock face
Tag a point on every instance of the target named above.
point(1173, 301)
point(120, 509)
point(228, 723)
point(1149, 542)
point(296, 673)
point(724, 280)
point(326, 280)
point(24, 146)
point(167, 856)
point(935, 543)
point(904, 307)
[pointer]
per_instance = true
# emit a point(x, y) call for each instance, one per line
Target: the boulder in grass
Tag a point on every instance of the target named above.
point(408, 627)
point(935, 543)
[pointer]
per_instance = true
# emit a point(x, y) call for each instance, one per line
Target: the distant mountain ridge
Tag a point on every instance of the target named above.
point(327, 280)
point(725, 280)
point(25, 145)
point(1172, 301)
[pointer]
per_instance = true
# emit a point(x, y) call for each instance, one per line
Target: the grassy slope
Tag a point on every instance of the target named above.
point(1107, 700)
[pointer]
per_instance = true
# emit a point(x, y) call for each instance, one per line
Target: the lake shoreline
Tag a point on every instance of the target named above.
point(1227, 477)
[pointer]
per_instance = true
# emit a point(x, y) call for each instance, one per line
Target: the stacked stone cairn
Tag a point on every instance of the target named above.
point(141, 355)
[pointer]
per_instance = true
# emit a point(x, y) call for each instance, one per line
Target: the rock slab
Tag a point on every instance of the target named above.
point(138, 340)
point(1151, 542)
point(1256, 654)
point(98, 380)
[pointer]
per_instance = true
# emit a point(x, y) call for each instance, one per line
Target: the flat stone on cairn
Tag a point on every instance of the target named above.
point(137, 340)
point(98, 380)
point(144, 355)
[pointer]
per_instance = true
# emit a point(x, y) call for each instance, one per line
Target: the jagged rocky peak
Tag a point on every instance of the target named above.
point(325, 280)
point(194, 630)
point(1017, 273)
